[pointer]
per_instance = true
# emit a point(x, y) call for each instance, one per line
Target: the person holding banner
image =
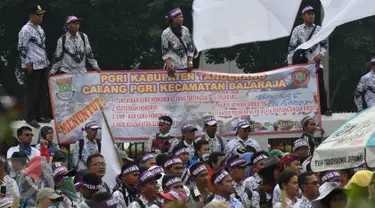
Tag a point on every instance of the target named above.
point(176, 44)
point(73, 50)
point(161, 142)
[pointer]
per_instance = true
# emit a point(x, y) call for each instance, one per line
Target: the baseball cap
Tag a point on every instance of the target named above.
point(173, 195)
point(287, 158)
point(125, 156)
point(235, 162)
point(243, 124)
point(210, 120)
point(300, 143)
point(325, 190)
point(48, 193)
point(307, 9)
point(71, 19)
point(361, 178)
point(188, 128)
point(61, 170)
point(91, 125)
point(36, 9)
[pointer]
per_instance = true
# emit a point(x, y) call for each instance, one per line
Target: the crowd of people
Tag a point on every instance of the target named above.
point(191, 172)
point(194, 172)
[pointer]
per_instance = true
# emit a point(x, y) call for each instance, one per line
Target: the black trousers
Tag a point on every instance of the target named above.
point(322, 91)
point(37, 96)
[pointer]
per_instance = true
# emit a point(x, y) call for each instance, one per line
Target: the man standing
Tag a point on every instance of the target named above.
point(33, 55)
point(73, 49)
point(365, 92)
point(188, 136)
point(24, 135)
point(301, 34)
point(242, 140)
point(161, 142)
point(217, 143)
point(309, 185)
point(97, 165)
point(87, 146)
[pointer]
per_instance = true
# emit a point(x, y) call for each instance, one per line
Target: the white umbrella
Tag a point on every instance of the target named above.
point(224, 23)
point(352, 145)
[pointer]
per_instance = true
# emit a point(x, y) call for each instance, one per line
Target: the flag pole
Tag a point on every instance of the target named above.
point(110, 134)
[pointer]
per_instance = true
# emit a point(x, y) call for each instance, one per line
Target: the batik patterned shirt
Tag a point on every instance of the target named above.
point(73, 58)
point(253, 182)
point(299, 36)
point(215, 145)
point(242, 192)
point(234, 144)
point(32, 47)
point(233, 202)
point(289, 204)
point(12, 191)
point(367, 86)
point(173, 49)
point(89, 148)
point(303, 202)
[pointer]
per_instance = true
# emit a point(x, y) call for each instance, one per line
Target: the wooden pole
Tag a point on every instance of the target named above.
point(110, 134)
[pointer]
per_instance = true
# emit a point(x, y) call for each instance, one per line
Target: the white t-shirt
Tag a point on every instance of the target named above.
point(34, 152)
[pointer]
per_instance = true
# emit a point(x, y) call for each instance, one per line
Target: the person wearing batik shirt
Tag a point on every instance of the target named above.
point(90, 146)
point(183, 153)
point(33, 55)
point(217, 143)
point(12, 196)
point(148, 160)
point(96, 164)
point(256, 162)
point(89, 185)
point(126, 188)
point(316, 53)
point(18, 162)
point(46, 134)
point(174, 166)
point(188, 137)
point(161, 142)
point(288, 182)
point(224, 189)
point(309, 185)
point(172, 196)
point(290, 163)
point(24, 136)
point(365, 92)
point(199, 184)
point(236, 167)
point(73, 50)
point(147, 185)
point(64, 185)
point(176, 44)
point(331, 176)
point(270, 175)
point(242, 140)
point(309, 128)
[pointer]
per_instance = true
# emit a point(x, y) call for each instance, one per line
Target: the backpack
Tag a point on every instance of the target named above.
point(81, 143)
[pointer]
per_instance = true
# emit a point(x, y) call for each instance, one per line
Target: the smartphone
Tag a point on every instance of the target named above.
point(3, 190)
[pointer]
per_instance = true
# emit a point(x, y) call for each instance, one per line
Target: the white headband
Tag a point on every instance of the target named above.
point(173, 181)
point(148, 157)
point(130, 169)
point(182, 151)
point(172, 162)
point(221, 177)
point(92, 187)
point(260, 157)
point(198, 170)
point(164, 121)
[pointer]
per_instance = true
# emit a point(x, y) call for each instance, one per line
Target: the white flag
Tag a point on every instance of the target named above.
point(109, 152)
point(338, 12)
point(224, 23)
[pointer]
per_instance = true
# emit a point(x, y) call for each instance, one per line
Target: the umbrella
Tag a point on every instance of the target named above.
point(352, 145)
point(340, 12)
point(226, 23)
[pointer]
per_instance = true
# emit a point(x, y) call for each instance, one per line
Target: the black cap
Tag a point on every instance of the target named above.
point(36, 9)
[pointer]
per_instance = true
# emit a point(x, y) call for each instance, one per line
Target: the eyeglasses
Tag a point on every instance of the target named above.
point(103, 164)
point(29, 135)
